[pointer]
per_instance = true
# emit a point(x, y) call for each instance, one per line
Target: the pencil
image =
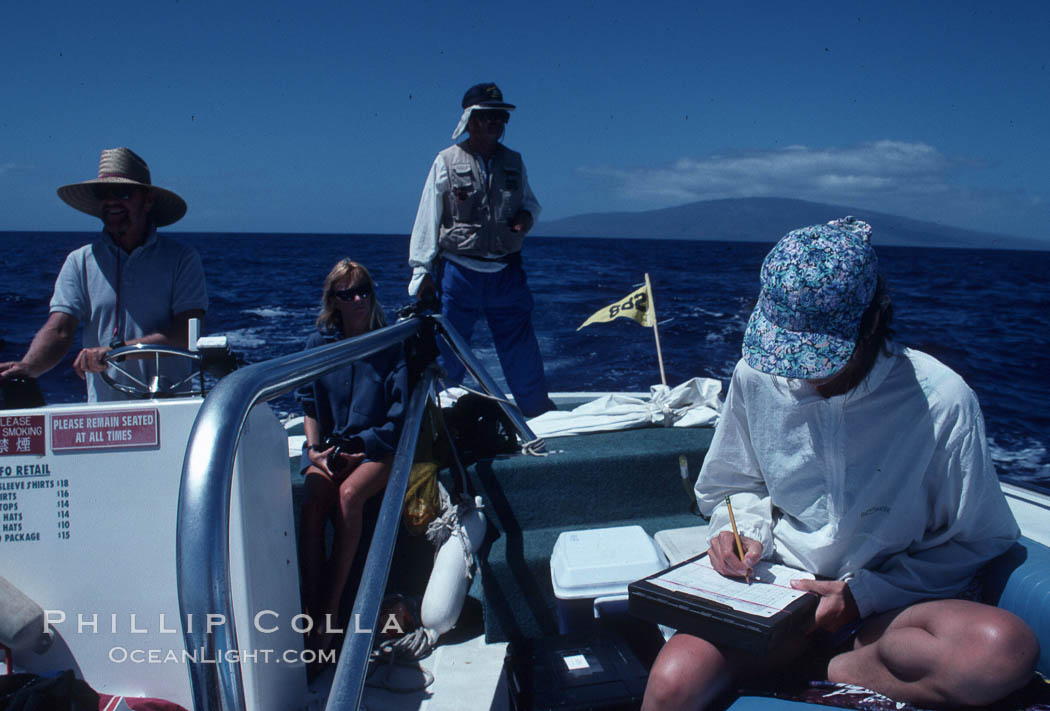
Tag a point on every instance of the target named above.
point(736, 535)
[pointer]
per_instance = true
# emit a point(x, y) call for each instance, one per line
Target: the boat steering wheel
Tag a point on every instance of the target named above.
point(156, 387)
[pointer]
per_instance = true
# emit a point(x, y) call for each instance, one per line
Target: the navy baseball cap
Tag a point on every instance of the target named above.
point(487, 95)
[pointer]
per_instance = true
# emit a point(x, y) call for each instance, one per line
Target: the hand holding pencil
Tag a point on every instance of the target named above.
point(733, 555)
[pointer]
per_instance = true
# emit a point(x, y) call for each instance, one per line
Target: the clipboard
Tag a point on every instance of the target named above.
point(692, 597)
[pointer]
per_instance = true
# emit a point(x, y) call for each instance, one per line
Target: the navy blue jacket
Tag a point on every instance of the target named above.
point(365, 399)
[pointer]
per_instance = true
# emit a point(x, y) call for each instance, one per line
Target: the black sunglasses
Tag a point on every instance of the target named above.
point(498, 116)
point(115, 192)
point(361, 292)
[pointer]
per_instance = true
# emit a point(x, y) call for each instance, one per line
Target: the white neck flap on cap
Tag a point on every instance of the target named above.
point(465, 118)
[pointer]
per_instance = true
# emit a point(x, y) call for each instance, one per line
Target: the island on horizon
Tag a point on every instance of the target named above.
point(766, 220)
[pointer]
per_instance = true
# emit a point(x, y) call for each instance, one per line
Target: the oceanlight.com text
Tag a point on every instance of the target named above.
point(123, 655)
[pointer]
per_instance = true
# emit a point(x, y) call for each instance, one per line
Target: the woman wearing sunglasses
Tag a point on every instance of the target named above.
point(352, 424)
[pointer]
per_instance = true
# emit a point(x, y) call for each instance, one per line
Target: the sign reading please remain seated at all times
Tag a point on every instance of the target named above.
point(104, 429)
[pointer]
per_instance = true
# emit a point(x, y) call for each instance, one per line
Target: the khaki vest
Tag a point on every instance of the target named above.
point(476, 218)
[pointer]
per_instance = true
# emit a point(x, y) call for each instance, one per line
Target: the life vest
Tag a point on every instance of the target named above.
point(476, 218)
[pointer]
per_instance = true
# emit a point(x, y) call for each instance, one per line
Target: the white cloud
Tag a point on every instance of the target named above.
point(837, 174)
point(911, 179)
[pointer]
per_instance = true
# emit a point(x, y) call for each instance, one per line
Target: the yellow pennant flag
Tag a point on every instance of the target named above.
point(635, 306)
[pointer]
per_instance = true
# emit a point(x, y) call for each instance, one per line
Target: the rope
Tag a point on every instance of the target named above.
point(529, 448)
point(448, 524)
point(414, 645)
point(488, 396)
point(389, 651)
point(668, 413)
point(658, 407)
point(464, 482)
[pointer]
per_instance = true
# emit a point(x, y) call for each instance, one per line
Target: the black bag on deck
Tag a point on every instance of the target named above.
point(594, 671)
point(28, 692)
point(480, 429)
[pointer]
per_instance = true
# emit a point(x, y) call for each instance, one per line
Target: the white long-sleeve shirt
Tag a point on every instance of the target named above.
point(423, 246)
point(889, 486)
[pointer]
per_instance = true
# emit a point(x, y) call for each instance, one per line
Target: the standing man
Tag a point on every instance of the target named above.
point(475, 211)
point(129, 286)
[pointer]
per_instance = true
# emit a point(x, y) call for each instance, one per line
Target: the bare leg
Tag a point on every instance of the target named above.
point(945, 652)
point(321, 496)
point(690, 672)
point(365, 481)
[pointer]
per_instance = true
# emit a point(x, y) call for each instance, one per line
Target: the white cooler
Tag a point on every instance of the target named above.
point(590, 571)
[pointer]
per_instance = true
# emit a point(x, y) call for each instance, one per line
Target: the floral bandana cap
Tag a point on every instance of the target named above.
point(816, 284)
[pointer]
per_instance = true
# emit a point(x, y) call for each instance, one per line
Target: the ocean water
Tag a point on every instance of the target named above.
point(985, 313)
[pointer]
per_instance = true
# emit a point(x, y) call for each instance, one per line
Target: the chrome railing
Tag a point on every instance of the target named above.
point(202, 557)
point(202, 545)
point(462, 351)
point(349, 682)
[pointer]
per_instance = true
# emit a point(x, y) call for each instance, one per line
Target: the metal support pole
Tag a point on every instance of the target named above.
point(203, 536)
point(462, 351)
point(349, 682)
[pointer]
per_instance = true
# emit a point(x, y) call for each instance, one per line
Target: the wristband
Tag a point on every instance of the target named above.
point(117, 343)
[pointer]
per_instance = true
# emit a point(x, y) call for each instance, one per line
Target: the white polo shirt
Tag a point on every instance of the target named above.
point(118, 295)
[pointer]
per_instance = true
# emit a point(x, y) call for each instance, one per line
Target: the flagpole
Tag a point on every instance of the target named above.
point(656, 333)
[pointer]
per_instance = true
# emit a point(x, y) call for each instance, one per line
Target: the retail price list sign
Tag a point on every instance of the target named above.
point(35, 494)
point(89, 509)
point(29, 508)
point(33, 506)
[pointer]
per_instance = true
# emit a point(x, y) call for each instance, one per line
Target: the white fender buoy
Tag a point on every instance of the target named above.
point(22, 623)
point(450, 578)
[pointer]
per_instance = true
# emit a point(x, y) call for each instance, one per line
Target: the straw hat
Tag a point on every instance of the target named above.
point(120, 166)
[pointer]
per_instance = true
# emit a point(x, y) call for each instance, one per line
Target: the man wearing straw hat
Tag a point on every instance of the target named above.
point(473, 216)
point(129, 286)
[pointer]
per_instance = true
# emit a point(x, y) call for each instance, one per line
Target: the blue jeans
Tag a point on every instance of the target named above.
point(506, 302)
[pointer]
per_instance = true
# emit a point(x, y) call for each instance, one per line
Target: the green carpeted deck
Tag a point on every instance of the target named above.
point(589, 481)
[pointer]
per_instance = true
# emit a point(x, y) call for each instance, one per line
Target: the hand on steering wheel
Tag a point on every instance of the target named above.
point(156, 387)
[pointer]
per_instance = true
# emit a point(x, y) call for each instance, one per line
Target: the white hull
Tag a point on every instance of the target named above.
point(119, 558)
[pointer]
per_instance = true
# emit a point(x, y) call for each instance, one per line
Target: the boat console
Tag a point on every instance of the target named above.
point(154, 538)
point(89, 497)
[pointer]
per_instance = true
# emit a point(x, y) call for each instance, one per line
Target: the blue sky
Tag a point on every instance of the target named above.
point(324, 117)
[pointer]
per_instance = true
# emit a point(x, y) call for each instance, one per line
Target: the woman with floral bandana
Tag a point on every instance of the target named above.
point(864, 463)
